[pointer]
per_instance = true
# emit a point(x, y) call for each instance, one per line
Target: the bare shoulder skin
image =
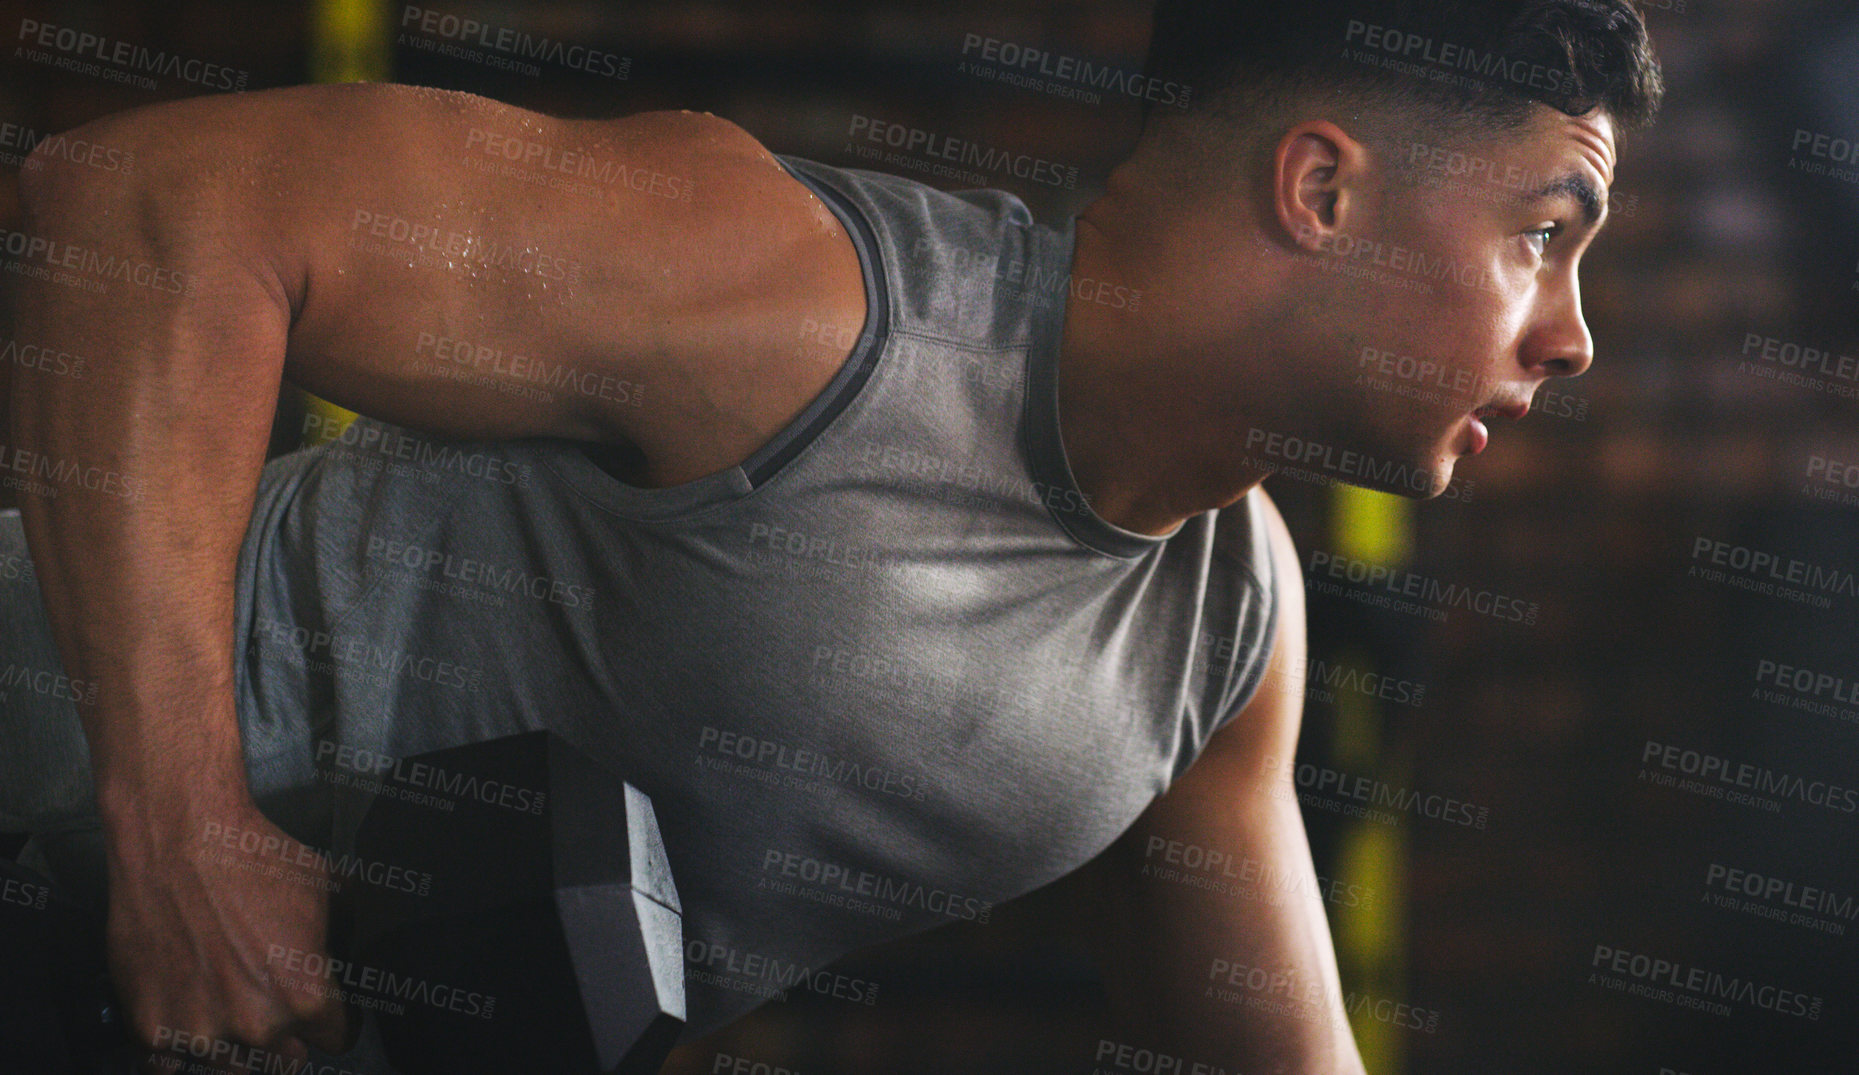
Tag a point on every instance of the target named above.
point(668, 250)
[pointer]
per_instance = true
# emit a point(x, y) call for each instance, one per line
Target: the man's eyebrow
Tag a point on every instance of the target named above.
point(1574, 185)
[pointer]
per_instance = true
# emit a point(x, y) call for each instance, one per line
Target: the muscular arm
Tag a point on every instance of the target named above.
point(1242, 980)
point(335, 235)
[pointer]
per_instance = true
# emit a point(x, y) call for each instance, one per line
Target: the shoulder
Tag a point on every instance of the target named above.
point(293, 172)
point(363, 119)
point(964, 266)
point(314, 148)
point(1253, 542)
point(1284, 583)
point(1265, 707)
point(1285, 577)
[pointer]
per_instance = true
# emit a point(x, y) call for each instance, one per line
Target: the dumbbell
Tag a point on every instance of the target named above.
point(536, 928)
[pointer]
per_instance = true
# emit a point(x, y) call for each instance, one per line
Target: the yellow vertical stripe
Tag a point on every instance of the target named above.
point(1372, 526)
point(1375, 857)
point(1370, 946)
point(350, 41)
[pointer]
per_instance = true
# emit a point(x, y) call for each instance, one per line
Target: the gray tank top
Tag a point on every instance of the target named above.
point(887, 673)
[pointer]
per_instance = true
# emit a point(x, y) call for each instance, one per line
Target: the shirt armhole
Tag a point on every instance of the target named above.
point(1266, 589)
point(791, 441)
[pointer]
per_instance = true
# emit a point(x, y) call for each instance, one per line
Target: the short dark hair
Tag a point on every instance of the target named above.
point(1478, 62)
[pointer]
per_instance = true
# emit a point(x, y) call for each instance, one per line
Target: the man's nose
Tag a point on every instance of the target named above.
point(1559, 342)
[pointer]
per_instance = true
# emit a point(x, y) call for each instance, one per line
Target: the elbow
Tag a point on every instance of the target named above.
point(71, 199)
point(126, 168)
point(134, 197)
point(67, 167)
point(42, 175)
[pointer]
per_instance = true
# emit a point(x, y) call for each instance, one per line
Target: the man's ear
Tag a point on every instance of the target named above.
point(1315, 182)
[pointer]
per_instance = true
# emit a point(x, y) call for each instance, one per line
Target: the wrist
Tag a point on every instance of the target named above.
point(158, 758)
point(152, 810)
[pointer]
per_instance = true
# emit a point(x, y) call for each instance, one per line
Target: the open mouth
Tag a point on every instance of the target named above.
point(1481, 432)
point(1512, 409)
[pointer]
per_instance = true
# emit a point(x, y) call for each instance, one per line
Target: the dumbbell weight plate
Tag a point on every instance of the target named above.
point(549, 937)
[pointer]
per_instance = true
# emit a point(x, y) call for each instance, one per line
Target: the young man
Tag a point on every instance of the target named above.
point(728, 460)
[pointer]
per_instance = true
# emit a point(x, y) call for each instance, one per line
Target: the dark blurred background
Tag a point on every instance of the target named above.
point(1732, 241)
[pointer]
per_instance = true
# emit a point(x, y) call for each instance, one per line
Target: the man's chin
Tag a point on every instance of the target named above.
point(1441, 474)
point(1416, 481)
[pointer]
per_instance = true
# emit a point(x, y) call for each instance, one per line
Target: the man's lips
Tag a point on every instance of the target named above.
point(1480, 433)
point(1513, 409)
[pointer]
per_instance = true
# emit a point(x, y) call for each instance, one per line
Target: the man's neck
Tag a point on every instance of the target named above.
point(1141, 455)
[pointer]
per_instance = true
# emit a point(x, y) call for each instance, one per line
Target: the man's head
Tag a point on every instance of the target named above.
point(1365, 225)
point(1454, 64)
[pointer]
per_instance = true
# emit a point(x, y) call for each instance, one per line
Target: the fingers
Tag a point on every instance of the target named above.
point(185, 1054)
point(196, 1054)
point(335, 1030)
point(229, 946)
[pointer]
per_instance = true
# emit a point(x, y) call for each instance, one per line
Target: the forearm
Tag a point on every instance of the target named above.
point(143, 472)
point(1227, 961)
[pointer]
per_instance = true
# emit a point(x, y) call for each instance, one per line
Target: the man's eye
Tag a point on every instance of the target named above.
point(1541, 237)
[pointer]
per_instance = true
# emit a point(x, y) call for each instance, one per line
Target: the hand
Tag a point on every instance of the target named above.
point(214, 916)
